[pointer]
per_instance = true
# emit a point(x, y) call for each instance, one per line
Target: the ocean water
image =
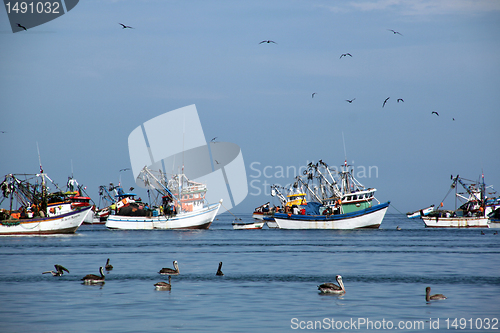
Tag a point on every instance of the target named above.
point(270, 282)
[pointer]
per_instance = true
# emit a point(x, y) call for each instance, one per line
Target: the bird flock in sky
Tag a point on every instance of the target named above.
point(313, 94)
point(350, 55)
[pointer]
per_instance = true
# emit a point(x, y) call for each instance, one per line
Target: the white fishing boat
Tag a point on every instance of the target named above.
point(247, 226)
point(366, 218)
point(183, 206)
point(39, 211)
point(421, 212)
point(337, 201)
point(473, 213)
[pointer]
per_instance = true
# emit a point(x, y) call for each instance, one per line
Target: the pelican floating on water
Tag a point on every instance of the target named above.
point(219, 272)
point(108, 265)
point(92, 279)
point(59, 270)
point(170, 271)
point(332, 288)
point(434, 297)
point(164, 285)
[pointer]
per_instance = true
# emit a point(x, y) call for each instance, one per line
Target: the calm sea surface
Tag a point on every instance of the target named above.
point(270, 282)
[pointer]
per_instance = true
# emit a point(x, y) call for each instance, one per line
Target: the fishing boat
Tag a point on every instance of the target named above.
point(421, 212)
point(266, 213)
point(249, 225)
point(38, 211)
point(337, 201)
point(473, 212)
point(182, 205)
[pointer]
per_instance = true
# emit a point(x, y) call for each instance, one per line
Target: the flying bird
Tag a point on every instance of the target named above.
point(125, 26)
point(59, 270)
point(20, 26)
point(437, 114)
point(400, 99)
point(345, 55)
point(385, 101)
point(350, 100)
point(124, 169)
point(312, 96)
point(395, 32)
point(216, 161)
point(268, 41)
point(453, 119)
point(213, 140)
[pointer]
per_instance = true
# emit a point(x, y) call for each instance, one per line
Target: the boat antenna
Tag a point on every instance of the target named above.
point(345, 153)
point(39, 159)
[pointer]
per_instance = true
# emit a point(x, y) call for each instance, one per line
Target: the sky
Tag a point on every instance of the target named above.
point(78, 85)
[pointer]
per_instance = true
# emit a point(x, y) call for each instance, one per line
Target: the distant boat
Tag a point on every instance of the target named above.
point(182, 206)
point(421, 212)
point(471, 214)
point(246, 226)
point(337, 201)
point(40, 212)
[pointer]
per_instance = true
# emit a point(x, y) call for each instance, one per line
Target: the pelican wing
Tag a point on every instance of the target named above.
point(329, 285)
point(60, 268)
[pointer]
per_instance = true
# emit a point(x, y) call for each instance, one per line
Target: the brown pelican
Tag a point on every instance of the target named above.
point(435, 297)
point(332, 288)
point(108, 266)
point(92, 279)
point(170, 271)
point(59, 270)
point(219, 272)
point(164, 285)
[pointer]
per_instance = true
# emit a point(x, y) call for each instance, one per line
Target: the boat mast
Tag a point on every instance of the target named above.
point(43, 203)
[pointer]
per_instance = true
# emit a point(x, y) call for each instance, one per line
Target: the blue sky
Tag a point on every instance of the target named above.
point(78, 85)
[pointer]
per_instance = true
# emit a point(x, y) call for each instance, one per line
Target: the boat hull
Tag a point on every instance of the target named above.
point(271, 223)
point(248, 226)
point(494, 223)
point(455, 222)
point(60, 224)
point(367, 218)
point(418, 213)
point(200, 219)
